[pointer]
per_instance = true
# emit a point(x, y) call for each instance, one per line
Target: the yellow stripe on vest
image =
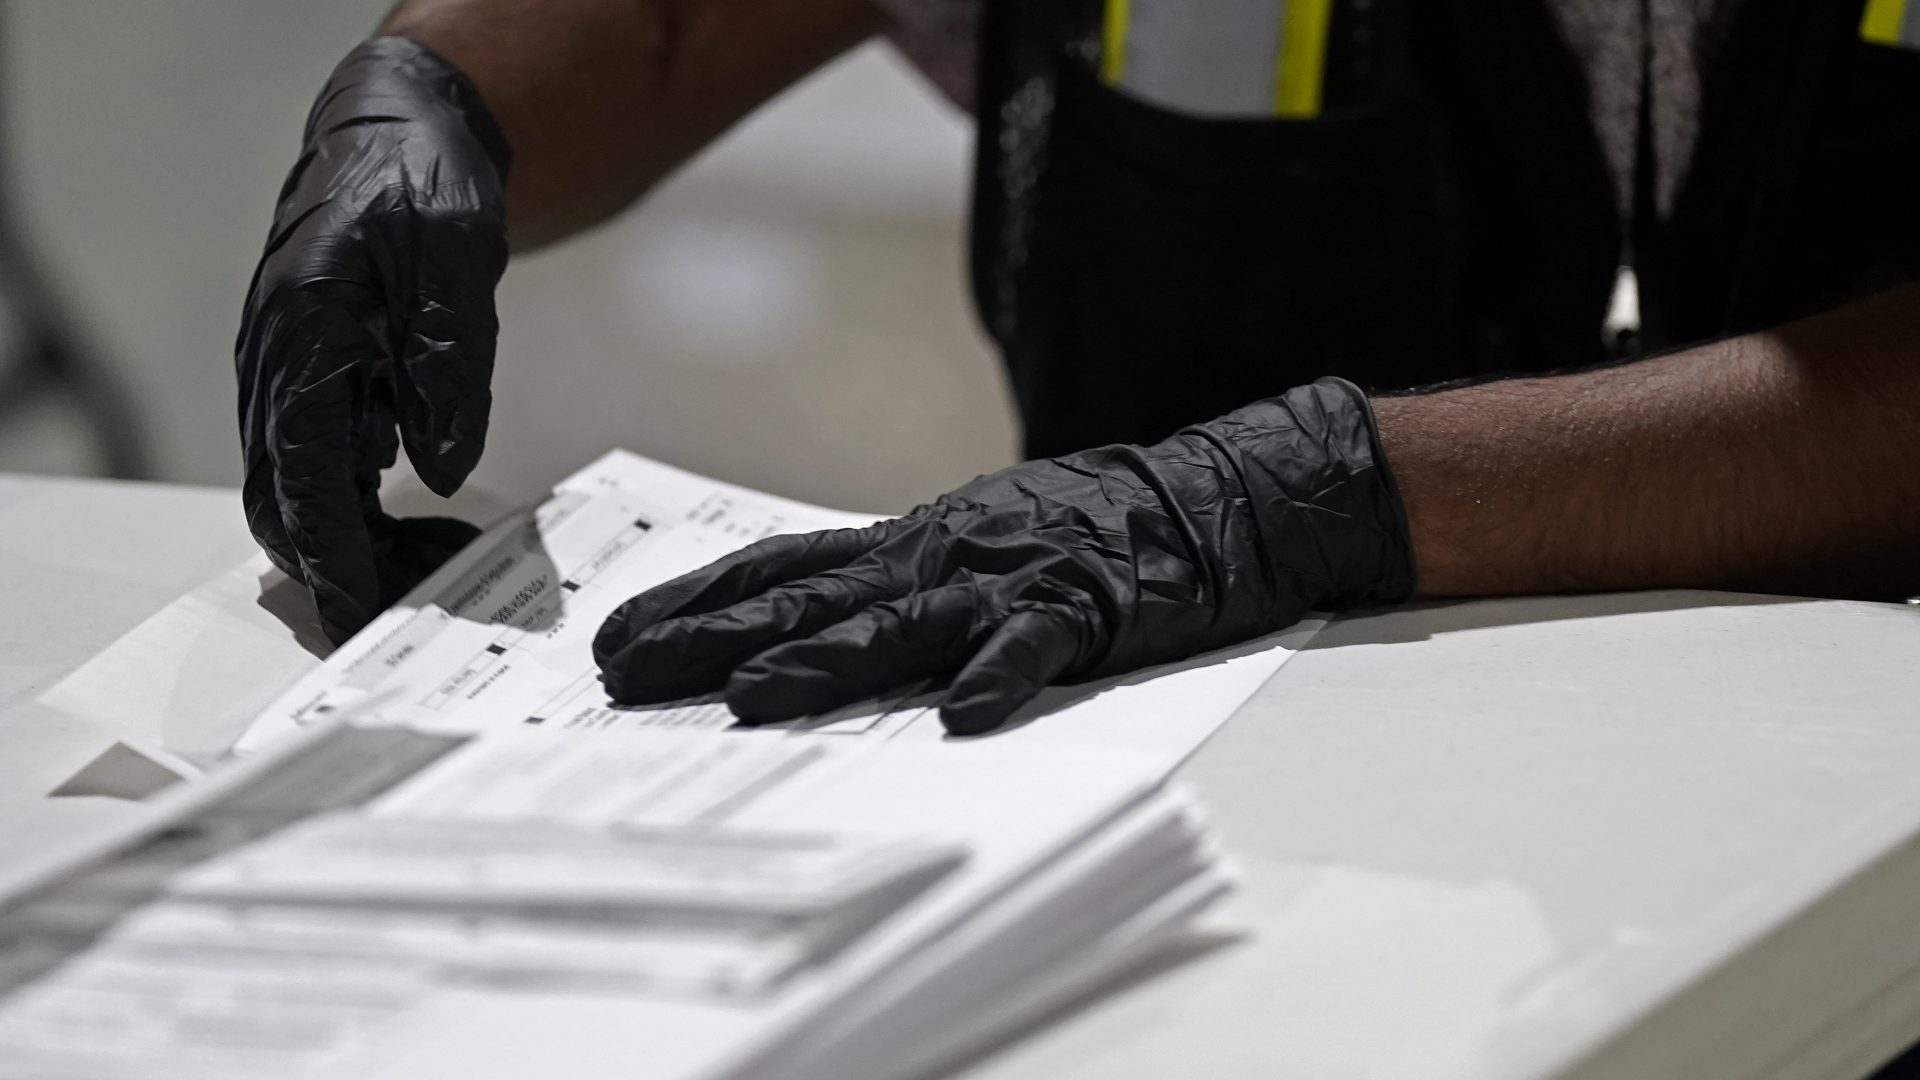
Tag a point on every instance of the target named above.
point(1303, 57)
point(1113, 43)
point(1882, 22)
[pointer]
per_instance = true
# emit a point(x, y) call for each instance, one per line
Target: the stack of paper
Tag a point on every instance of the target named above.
point(378, 901)
point(444, 851)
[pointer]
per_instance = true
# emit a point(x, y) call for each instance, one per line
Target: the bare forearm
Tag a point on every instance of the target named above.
point(600, 99)
point(1784, 461)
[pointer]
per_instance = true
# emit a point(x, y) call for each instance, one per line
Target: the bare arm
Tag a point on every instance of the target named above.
point(1785, 461)
point(600, 99)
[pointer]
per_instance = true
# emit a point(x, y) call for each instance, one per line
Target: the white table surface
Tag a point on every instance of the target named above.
point(1661, 834)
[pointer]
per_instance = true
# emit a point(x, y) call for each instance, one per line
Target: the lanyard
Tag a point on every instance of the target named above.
point(1223, 58)
point(1891, 22)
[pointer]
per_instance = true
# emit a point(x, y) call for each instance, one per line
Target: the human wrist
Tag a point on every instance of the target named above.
point(1469, 536)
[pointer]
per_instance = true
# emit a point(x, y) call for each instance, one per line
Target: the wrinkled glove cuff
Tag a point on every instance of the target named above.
point(1328, 513)
point(402, 69)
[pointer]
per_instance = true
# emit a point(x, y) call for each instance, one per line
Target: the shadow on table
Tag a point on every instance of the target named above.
point(1421, 621)
point(1405, 624)
point(1055, 698)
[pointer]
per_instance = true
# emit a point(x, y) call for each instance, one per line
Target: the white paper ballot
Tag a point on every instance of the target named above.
point(487, 865)
point(501, 635)
point(661, 904)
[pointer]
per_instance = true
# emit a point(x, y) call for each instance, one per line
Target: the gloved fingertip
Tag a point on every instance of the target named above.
point(442, 465)
point(641, 612)
point(624, 675)
point(983, 697)
point(655, 668)
point(978, 712)
point(788, 682)
point(341, 616)
point(613, 635)
point(346, 591)
point(624, 689)
point(1025, 655)
point(636, 638)
point(757, 697)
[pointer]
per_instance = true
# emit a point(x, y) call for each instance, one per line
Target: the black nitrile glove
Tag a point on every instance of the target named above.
point(1069, 568)
point(372, 306)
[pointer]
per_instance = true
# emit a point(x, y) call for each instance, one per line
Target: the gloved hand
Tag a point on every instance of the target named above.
point(373, 305)
point(1076, 567)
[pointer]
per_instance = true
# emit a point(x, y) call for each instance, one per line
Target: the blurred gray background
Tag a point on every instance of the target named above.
point(790, 312)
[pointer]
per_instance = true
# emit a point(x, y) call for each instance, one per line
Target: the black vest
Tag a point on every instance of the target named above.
point(1448, 215)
